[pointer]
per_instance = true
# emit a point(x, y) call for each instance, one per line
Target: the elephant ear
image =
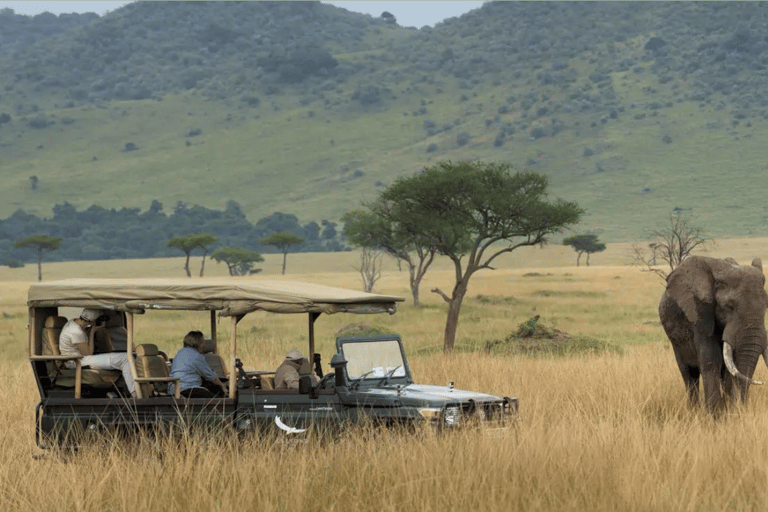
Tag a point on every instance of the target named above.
point(692, 285)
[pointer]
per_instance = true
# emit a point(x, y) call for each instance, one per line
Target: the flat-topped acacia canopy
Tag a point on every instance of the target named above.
point(230, 297)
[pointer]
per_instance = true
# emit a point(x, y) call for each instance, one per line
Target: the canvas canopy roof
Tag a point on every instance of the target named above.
point(228, 296)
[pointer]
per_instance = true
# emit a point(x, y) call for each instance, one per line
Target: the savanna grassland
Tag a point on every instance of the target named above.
point(598, 432)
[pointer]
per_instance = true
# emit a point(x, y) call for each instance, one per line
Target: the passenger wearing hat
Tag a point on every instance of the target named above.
point(73, 341)
point(287, 374)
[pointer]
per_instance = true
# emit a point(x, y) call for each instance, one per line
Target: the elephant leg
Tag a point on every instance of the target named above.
point(691, 380)
point(710, 365)
point(731, 388)
point(690, 374)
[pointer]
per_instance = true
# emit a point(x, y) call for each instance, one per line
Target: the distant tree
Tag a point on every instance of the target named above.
point(283, 241)
point(203, 242)
point(389, 17)
point(584, 244)
point(41, 243)
point(672, 243)
point(33, 181)
point(370, 267)
point(188, 243)
point(239, 261)
point(473, 212)
point(329, 230)
point(371, 229)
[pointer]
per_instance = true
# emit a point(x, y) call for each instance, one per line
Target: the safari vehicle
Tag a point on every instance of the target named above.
point(369, 377)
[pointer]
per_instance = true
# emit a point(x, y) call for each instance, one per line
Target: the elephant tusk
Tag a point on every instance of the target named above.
point(728, 358)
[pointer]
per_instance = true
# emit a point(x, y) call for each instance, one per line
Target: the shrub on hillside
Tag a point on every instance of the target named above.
point(39, 122)
point(368, 95)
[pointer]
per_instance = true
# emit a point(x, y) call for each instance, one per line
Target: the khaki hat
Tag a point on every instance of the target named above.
point(294, 355)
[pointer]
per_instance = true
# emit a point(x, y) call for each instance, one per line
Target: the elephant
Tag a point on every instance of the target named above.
point(713, 311)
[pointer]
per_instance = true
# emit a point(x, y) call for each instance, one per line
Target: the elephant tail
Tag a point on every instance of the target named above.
point(728, 358)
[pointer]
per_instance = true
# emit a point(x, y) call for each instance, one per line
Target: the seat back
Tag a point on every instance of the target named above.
point(214, 360)
point(51, 333)
point(267, 381)
point(305, 368)
point(149, 363)
point(117, 332)
point(99, 341)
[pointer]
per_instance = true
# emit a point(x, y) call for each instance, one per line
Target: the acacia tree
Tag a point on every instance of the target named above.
point(672, 243)
point(283, 241)
point(239, 261)
point(188, 243)
point(472, 212)
point(41, 243)
point(584, 244)
point(371, 229)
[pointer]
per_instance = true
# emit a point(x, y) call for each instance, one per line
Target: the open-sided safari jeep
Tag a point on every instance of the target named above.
point(369, 377)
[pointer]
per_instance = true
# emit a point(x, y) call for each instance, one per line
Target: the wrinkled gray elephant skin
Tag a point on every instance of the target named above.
point(713, 312)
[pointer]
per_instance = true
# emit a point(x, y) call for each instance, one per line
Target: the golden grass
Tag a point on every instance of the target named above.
point(604, 432)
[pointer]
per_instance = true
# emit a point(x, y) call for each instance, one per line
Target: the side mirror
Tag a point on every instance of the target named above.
point(338, 363)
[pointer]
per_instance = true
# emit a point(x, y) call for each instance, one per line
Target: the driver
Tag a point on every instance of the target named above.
point(287, 374)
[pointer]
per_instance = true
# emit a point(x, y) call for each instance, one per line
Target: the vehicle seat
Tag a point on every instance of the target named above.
point(267, 381)
point(152, 372)
point(100, 341)
point(305, 368)
point(62, 376)
point(214, 360)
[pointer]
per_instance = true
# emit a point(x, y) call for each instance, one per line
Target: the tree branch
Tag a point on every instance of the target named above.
point(442, 294)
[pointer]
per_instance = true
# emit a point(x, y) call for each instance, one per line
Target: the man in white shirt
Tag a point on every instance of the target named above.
point(73, 341)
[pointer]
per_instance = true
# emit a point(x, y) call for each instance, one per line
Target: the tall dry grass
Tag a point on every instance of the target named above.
point(599, 432)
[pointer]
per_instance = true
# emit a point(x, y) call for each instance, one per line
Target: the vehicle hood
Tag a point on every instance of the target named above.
point(429, 394)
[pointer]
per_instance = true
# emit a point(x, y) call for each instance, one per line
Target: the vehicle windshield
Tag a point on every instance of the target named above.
point(374, 359)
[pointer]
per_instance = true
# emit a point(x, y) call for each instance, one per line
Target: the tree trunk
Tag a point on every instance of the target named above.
point(415, 282)
point(578, 258)
point(40, 265)
point(285, 256)
point(186, 267)
point(415, 292)
point(454, 308)
point(202, 265)
point(587, 259)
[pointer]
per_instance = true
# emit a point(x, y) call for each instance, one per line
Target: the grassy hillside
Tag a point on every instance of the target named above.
point(628, 129)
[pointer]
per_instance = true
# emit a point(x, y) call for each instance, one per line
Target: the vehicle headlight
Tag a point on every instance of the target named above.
point(429, 413)
point(451, 416)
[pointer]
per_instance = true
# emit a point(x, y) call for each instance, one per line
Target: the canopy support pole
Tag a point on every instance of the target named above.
point(129, 349)
point(213, 329)
point(312, 317)
point(233, 348)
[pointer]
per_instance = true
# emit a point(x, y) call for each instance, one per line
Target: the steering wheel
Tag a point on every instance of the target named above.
point(325, 380)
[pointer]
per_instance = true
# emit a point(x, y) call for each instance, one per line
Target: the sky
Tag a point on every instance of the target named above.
point(409, 13)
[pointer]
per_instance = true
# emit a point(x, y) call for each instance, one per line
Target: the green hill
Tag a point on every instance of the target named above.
point(633, 109)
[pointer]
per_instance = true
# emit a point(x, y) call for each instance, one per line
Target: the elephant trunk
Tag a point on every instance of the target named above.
point(731, 365)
